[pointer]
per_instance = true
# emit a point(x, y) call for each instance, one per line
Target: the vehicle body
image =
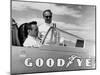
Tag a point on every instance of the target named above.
point(52, 51)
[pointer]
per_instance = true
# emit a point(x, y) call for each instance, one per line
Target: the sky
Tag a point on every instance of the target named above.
point(76, 19)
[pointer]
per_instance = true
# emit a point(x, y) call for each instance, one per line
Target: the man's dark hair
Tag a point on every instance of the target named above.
point(30, 24)
point(48, 10)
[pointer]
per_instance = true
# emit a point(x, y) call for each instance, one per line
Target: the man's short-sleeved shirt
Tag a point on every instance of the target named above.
point(43, 29)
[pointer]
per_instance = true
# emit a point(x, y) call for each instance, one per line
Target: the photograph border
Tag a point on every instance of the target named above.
point(53, 3)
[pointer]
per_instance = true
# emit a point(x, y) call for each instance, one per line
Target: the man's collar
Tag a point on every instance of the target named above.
point(31, 37)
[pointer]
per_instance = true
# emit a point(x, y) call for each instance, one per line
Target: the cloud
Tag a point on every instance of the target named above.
point(61, 25)
point(58, 10)
point(83, 31)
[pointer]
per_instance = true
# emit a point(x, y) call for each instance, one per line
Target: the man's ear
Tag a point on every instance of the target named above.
point(28, 31)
